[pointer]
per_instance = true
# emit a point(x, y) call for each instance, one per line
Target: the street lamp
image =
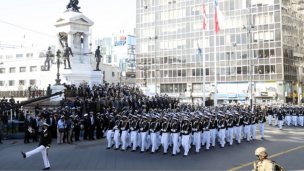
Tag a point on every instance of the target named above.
point(144, 68)
point(299, 93)
point(249, 27)
point(59, 59)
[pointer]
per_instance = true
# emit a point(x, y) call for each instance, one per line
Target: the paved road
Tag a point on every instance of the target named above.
point(93, 155)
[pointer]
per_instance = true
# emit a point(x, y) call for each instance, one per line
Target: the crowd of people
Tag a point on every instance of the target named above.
point(129, 119)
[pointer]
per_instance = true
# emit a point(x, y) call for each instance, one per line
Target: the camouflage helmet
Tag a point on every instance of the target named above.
point(261, 151)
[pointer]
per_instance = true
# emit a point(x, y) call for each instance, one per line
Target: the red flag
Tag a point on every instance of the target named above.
point(204, 16)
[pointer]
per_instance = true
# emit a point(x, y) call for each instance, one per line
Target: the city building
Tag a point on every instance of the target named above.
point(269, 32)
point(21, 68)
point(24, 67)
point(119, 50)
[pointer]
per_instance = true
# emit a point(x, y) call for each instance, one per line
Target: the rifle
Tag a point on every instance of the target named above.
point(167, 124)
point(199, 122)
point(126, 122)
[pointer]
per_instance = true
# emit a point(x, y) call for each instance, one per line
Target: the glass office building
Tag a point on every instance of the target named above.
point(274, 44)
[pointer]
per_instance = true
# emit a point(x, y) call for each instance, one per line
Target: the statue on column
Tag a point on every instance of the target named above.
point(49, 56)
point(98, 58)
point(66, 55)
point(74, 5)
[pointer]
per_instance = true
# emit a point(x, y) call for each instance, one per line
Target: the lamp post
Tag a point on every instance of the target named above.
point(58, 67)
point(299, 92)
point(249, 27)
point(145, 68)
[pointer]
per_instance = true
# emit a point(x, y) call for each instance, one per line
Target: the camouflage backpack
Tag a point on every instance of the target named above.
point(277, 167)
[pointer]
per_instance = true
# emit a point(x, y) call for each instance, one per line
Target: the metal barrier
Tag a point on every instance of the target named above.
point(26, 93)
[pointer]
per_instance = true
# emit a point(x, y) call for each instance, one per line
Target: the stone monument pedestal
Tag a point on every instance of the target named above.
point(74, 29)
point(55, 89)
point(145, 90)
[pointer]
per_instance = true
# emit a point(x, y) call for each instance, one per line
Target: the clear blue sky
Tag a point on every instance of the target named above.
point(109, 17)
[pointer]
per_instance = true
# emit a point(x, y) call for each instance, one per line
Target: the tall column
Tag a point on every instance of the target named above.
point(86, 56)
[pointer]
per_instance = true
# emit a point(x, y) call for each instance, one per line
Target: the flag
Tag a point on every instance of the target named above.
point(204, 16)
point(219, 18)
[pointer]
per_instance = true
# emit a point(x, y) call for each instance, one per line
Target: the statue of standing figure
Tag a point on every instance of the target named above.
point(49, 56)
point(98, 58)
point(66, 55)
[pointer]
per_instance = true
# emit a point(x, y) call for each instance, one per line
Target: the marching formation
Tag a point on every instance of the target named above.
point(198, 127)
point(286, 115)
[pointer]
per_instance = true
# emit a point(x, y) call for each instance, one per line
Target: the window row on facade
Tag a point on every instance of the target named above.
point(20, 56)
point(20, 70)
point(257, 77)
point(16, 83)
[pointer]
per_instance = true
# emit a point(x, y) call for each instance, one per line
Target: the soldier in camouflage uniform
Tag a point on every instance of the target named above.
point(263, 163)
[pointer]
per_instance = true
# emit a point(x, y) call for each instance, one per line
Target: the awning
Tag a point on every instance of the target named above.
point(240, 99)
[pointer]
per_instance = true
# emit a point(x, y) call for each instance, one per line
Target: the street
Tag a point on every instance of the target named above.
point(93, 155)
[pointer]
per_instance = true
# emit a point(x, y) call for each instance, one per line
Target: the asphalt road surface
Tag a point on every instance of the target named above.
point(286, 147)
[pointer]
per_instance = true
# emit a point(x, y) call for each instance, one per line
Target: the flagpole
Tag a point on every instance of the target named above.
point(215, 70)
point(204, 70)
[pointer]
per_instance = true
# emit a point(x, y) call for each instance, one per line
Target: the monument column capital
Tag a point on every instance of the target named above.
point(86, 34)
point(72, 32)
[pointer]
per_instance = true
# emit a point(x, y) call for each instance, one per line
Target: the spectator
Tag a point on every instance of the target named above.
point(70, 126)
point(41, 122)
point(60, 130)
point(1, 128)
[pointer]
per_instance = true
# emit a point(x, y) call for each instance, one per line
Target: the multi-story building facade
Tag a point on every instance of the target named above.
point(119, 50)
point(21, 68)
point(269, 32)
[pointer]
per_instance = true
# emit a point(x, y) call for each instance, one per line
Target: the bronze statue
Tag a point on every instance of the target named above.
point(66, 55)
point(98, 58)
point(74, 5)
point(49, 56)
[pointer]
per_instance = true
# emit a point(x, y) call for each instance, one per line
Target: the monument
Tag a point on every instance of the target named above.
point(98, 58)
point(48, 59)
point(73, 31)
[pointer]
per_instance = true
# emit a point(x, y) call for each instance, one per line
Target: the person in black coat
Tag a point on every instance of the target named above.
point(92, 122)
point(77, 128)
point(86, 125)
point(37, 108)
point(28, 122)
point(35, 127)
point(44, 145)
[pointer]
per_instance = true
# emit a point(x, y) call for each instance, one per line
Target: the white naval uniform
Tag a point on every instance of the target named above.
point(43, 151)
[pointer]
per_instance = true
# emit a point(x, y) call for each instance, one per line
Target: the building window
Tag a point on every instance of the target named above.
point(115, 58)
point(2, 70)
point(12, 70)
point(22, 69)
point(18, 56)
point(42, 67)
point(9, 57)
point(1, 83)
point(32, 82)
point(33, 69)
point(113, 74)
point(29, 55)
point(109, 59)
point(1, 57)
point(41, 55)
point(11, 83)
point(21, 82)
